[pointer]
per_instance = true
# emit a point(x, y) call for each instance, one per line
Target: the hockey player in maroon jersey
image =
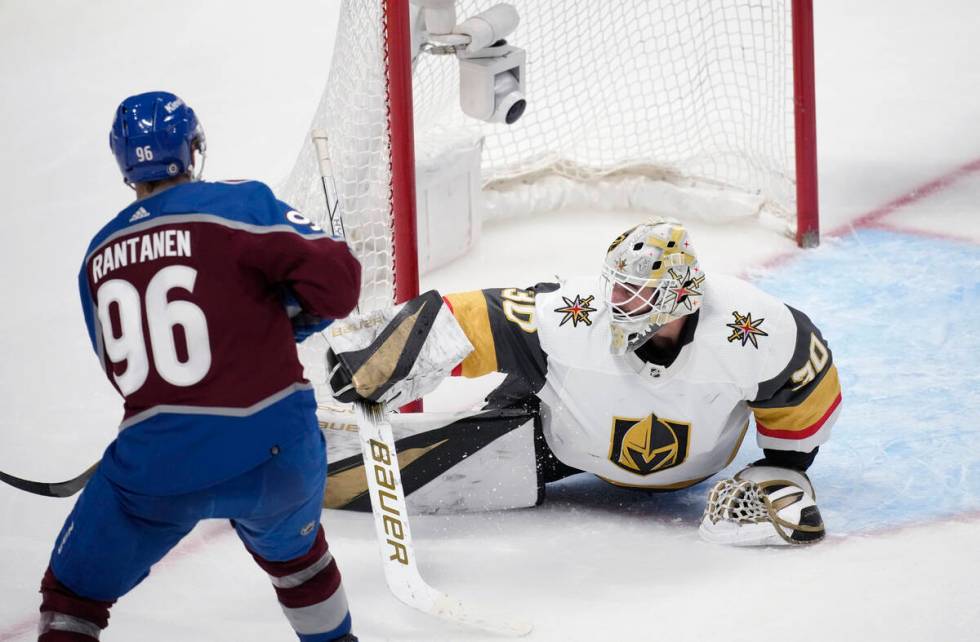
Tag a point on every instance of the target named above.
point(647, 376)
point(194, 296)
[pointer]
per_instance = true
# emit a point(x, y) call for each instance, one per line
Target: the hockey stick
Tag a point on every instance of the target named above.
point(390, 513)
point(46, 489)
point(328, 184)
point(388, 506)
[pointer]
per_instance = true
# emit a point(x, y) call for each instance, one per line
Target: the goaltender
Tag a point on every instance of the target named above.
point(647, 376)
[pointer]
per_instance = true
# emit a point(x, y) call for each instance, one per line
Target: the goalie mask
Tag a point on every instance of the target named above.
point(650, 276)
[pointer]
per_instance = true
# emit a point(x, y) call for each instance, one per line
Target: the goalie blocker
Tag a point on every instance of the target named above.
point(397, 354)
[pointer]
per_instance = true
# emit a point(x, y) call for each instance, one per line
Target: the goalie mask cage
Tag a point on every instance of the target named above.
point(715, 96)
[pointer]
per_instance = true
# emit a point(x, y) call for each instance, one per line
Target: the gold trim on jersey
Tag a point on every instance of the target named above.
point(808, 412)
point(470, 310)
point(677, 486)
point(738, 444)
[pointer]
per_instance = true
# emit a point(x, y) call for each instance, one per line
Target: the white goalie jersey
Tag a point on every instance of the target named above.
point(659, 423)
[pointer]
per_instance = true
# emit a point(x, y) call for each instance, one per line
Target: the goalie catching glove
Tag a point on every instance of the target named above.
point(763, 506)
point(399, 353)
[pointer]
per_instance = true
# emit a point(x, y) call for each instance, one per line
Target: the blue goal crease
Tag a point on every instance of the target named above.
point(902, 315)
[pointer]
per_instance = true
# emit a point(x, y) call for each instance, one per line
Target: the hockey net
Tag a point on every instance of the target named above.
point(678, 107)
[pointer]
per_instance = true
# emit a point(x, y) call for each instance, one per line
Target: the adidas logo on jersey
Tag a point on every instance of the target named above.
point(139, 214)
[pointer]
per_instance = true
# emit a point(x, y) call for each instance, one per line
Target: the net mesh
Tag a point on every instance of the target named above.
point(629, 94)
point(685, 91)
point(353, 111)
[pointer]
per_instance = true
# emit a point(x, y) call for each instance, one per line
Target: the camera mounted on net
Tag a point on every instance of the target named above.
point(491, 71)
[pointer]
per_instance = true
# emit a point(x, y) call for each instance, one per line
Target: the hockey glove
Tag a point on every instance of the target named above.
point(304, 323)
point(762, 506)
point(400, 353)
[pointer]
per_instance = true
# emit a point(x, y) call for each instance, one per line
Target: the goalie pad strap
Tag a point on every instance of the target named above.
point(768, 476)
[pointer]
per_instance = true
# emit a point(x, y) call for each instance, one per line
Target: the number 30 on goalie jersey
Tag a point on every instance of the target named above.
point(502, 326)
point(793, 408)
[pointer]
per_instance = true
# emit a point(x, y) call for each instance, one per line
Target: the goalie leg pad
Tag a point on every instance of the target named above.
point(449, 463)
point(763, 506)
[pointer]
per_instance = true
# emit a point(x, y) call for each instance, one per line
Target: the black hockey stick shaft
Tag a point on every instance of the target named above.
point(47, 489)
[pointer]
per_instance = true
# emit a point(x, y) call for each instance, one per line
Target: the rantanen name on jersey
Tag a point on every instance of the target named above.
point(140, 249)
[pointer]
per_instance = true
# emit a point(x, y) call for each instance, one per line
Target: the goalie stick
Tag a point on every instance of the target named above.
point(388, 506)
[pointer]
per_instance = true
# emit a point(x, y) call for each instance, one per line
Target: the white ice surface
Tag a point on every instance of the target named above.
point(898, 94)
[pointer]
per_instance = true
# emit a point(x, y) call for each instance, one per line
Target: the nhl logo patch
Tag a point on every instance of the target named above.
point(746, 330)
point(577, 310)
point(649, 444)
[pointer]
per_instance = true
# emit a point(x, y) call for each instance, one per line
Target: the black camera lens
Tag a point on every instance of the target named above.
point(516, 111)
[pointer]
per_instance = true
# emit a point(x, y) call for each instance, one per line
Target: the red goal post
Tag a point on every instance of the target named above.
point(805, 118)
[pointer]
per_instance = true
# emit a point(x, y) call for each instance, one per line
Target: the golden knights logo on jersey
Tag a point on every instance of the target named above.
point(576, 310)
point(648, 445)
point(746, 329)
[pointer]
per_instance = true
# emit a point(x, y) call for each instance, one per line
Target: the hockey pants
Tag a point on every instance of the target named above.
point(112, 537)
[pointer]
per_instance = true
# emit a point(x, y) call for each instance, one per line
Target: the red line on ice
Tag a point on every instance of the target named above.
point(211, 532)
point(934, 186)
point(875, 216)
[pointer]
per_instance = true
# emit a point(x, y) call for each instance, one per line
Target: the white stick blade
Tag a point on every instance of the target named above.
point(390, 514)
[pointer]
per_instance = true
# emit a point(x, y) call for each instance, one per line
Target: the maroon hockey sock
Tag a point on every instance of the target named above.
point(310, 591)
point(67, 616)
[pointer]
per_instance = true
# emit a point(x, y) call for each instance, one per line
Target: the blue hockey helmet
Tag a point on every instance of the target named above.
point(153, 137)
